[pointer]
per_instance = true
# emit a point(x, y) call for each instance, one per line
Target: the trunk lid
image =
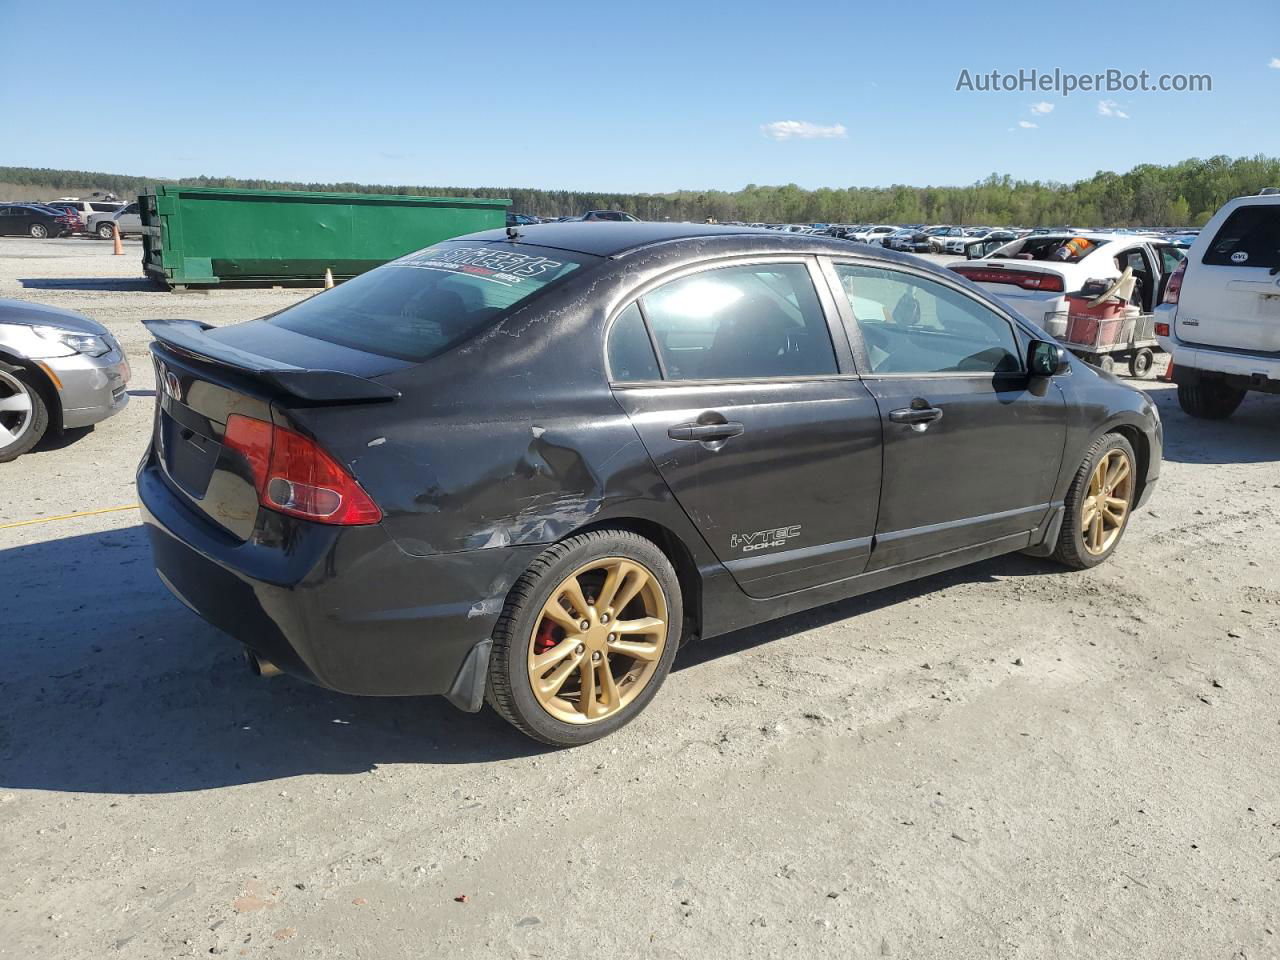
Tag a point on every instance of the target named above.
point(205, 375)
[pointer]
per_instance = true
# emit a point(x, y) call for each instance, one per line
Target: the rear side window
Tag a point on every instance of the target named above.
point(741, 323)
point(631, 357)
point(1249, 238)
point(421, 305)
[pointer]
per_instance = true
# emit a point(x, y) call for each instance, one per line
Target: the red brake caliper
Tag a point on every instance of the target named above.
point(548, 636)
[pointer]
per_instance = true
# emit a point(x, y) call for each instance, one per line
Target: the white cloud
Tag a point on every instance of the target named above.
point(1041, 108)
point(802, 130)
point(1027, 125)
point(1275, 63)
point(1109, 108)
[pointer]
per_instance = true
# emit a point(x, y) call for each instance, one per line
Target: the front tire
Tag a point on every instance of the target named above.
point(1098, 504)
point(1209, 399)
point(586, 639)
point(24, 416)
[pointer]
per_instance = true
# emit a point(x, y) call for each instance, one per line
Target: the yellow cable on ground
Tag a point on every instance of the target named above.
point(67, 516)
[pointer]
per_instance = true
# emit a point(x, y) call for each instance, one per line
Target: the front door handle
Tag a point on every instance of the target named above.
point(918, 416)
point(706, 431)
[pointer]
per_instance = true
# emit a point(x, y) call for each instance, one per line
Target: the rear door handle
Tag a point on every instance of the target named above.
point(706, 431)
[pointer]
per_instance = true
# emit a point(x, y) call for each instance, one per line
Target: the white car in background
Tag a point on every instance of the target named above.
point(1220, 319)
point(874, 234)
point(1030, 276)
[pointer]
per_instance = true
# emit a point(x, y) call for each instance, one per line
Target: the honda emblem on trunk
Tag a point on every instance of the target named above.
point(169, 380)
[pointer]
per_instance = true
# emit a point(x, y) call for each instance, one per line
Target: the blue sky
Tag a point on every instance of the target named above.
point(629, 97)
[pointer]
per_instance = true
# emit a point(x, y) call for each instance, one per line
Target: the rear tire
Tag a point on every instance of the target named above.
point(24, 416)
point(106, 231)
point(38, 231)
point(1209, 399)
point(1077, 547)
point(559, 714)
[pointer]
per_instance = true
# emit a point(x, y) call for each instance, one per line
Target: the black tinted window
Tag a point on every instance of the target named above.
point(422, 304)
point(1249, 238)
point(913, 325)
point(741, 323)
point(630, 352)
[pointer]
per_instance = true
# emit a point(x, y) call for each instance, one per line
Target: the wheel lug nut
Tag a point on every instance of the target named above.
point(596, 656)
point(604, 618)
point(613, 637)
point(581, 648)
point(586, 624)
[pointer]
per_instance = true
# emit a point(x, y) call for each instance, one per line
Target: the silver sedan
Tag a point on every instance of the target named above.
point(57, 369)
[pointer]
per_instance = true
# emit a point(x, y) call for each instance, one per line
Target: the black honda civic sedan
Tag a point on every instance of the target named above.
point(528, 465)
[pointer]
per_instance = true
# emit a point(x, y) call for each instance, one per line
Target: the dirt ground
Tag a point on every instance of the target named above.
point(1006, 761)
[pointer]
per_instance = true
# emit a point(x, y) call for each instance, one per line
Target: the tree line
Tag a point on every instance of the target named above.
point(1180, 194)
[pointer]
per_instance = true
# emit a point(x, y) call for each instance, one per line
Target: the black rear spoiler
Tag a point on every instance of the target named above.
point(189, 338)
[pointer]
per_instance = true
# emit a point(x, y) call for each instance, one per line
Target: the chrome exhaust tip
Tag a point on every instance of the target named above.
point(260, 666)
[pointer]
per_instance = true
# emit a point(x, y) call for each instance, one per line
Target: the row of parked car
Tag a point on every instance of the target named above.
point(69, 216)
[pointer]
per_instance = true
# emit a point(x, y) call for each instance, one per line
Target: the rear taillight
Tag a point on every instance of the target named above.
point(1173, 289)
point(294, 475)
point(1162, 330)
point(1050, 282)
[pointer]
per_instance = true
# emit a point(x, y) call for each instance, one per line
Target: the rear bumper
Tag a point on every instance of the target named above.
point(1239, 368)
point(342, 607)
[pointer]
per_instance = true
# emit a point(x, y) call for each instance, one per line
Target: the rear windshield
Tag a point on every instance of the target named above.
point(1062, 249)
point(421, 305)
point(1249, 238)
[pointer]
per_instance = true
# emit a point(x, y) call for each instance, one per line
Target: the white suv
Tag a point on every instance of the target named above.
point(1220, 319)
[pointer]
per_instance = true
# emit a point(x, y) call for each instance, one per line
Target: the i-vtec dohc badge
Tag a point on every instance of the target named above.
point(763, 539)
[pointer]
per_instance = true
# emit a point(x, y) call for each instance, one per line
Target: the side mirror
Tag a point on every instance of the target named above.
point(1046, 359)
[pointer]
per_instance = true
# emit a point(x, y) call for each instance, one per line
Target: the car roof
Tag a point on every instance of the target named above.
point(615, 238)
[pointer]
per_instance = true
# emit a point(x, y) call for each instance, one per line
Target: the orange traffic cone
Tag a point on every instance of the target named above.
point(115, 238)
point(328, 279)
point(1168, 372)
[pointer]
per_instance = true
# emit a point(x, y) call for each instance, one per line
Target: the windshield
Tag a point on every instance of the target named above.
point(421, 305)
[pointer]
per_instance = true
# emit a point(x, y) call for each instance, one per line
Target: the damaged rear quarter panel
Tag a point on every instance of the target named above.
point(512, 438)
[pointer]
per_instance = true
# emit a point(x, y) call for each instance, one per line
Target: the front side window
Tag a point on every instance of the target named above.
point(914, 325)
point(1250, 237)
point(738, 323)
point(423, 304)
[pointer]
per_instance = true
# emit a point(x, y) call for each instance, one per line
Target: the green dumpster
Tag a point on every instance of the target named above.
point(210, 235)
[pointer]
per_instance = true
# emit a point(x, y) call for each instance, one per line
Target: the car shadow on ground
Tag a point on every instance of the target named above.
point(112, 284)
point(60, 439)
point(1250, 435)
point(112, 686)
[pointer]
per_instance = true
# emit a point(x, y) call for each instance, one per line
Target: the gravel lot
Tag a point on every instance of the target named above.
point(1005, 761)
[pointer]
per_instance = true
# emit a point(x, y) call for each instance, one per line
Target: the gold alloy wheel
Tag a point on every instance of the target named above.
point(598, 641)
point(1106, 507)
